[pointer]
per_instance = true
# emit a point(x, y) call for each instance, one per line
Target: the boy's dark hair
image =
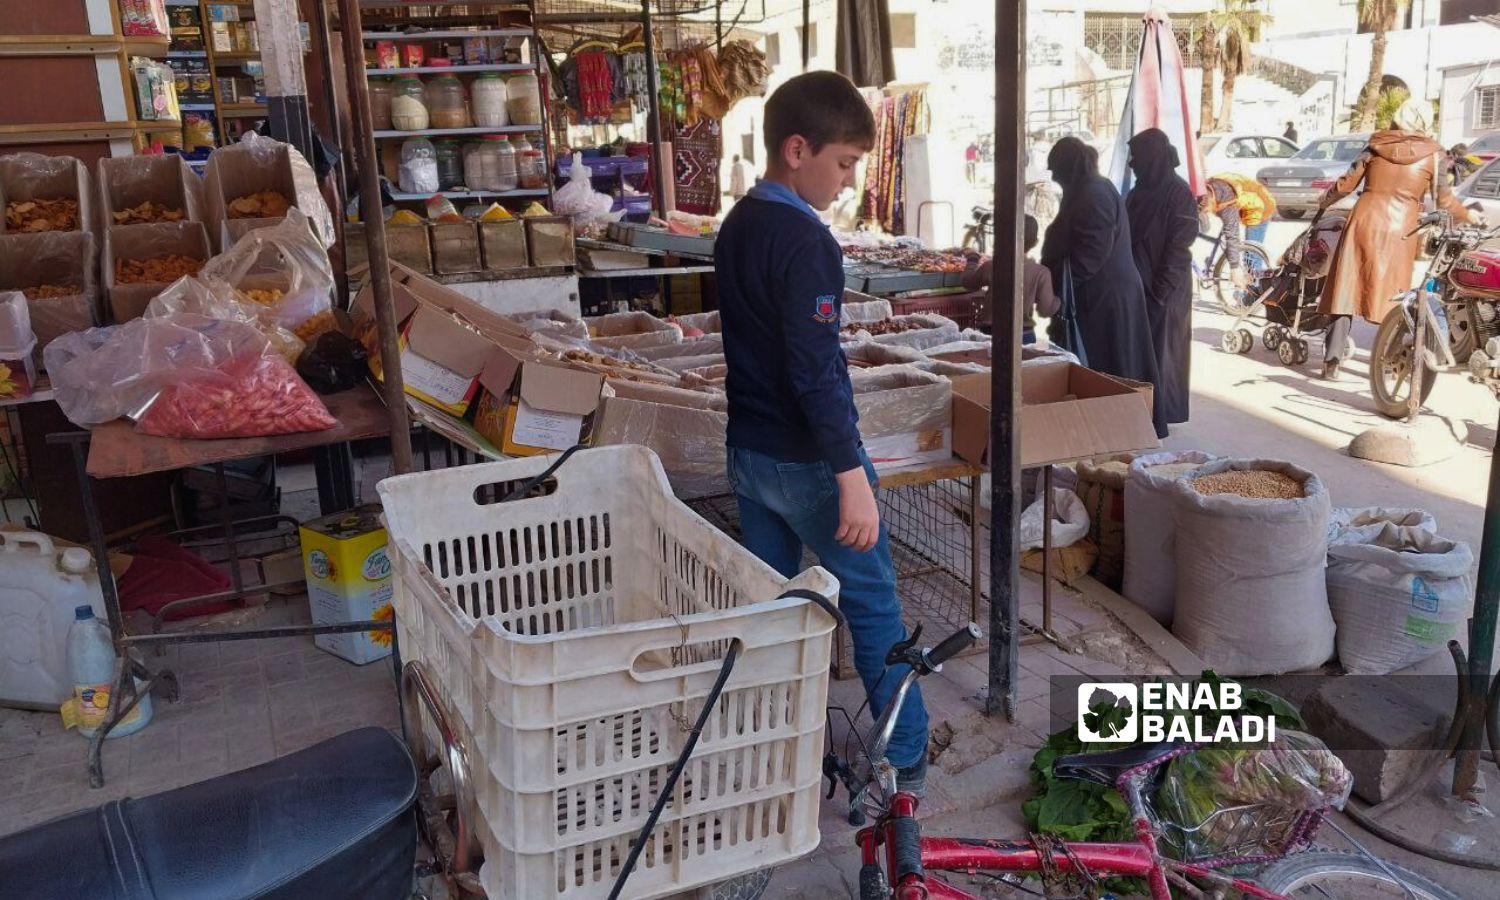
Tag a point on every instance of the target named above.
point(824, 107)
point(1029, 231)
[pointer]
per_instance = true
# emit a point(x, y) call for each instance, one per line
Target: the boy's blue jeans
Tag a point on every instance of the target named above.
point(785, 506)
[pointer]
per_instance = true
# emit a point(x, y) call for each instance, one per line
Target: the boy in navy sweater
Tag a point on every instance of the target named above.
point(795, 460)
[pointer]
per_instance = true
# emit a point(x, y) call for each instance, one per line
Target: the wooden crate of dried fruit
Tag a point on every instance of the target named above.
point(140, 190)
point(45, 193)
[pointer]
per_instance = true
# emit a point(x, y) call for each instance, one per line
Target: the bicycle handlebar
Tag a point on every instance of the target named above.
point(953, 644)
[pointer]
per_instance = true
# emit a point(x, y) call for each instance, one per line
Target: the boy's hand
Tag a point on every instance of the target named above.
point(859, 517)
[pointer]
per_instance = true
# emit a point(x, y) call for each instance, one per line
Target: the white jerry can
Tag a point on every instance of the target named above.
point(40, 587)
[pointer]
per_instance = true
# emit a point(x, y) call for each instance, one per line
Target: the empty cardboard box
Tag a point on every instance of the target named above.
point(1067, 413)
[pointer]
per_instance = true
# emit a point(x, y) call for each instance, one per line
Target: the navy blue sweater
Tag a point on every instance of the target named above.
point(781, 286)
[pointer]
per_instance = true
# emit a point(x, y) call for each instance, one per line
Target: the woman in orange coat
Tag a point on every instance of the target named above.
point(1375, 257)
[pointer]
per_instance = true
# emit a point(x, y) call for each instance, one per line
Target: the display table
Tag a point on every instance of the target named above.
point(116, 450)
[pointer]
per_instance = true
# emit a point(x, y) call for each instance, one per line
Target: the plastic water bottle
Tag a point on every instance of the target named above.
point(91, 665)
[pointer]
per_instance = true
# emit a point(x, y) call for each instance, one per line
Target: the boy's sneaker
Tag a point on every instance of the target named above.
point(912, 779)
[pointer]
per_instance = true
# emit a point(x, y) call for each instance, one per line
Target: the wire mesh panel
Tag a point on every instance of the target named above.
point(934, 542)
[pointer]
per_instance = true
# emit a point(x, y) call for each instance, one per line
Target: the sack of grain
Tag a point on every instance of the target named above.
point(1150, 572)
point(1252, 544)
point(1101, 487)
point(1398, 596)
point(1358, 525)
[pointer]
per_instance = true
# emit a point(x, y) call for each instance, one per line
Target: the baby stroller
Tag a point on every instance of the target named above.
point(1287, 296)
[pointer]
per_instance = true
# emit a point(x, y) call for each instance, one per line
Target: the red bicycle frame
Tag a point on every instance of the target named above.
point(907, 876)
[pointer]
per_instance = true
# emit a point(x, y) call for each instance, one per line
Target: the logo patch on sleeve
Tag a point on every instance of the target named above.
point(825, 310)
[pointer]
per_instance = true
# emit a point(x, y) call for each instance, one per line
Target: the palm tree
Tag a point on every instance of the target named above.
point(1235, 26)
point(1380, 16)
point(1208, 61)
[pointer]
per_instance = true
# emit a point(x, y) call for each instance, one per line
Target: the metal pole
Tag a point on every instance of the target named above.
point(380, 264)
point(1481, 639)
point(653, 109)
point(1005, 357)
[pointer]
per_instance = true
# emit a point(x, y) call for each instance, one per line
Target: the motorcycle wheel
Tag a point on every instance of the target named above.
point(1391, 369)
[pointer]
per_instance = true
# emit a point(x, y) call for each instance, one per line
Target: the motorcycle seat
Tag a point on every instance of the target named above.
point(335, 820)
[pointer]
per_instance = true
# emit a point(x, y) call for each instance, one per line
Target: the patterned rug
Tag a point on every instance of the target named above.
point(697, 150)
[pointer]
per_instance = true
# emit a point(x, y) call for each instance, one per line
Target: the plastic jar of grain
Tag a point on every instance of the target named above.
point(409, 104)
point(381, 93)
point(446, 103)
point(488, 99)
point(524, 100)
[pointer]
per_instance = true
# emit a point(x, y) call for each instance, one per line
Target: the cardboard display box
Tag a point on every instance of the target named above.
point(528, 407)
point(61, 259)
point(1067, 413)
point(122, 242)
point(503, 244)
point(686, 430)
point(632, 329)
point(247, 168)
point(446, 339)
point(550, 240)
point(128, 181)
point(904, 415)
point(455, 247)
point(409, 245)
point(33, 176)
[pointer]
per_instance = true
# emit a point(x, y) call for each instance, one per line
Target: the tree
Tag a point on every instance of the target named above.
point(1380, 16)
point(1208, 61)
point(1236, 25)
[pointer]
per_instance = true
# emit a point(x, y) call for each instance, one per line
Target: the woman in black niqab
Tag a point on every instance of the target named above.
point(1091, 237)
point(1163, 225)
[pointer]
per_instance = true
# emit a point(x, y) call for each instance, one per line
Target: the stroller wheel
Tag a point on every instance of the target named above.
point(1286, 351)
point(1272, 336)
point(1246, 340)
point(1229, 342)
point(1301, 351)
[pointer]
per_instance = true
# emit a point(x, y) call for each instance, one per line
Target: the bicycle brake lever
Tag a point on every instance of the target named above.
point(898, 651)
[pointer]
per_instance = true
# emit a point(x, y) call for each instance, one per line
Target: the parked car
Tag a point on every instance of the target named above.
point(1299, 183)
point(1241, 153)
point(1483, 187)
point(1486, 146)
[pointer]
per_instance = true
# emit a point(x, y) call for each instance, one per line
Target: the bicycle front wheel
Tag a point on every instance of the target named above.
point(1256, 262)
point(1344, 875)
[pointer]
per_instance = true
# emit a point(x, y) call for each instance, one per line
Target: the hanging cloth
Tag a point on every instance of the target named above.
point(596, 85)
point(744, 70)
point(1158, 98)
point(863, 50)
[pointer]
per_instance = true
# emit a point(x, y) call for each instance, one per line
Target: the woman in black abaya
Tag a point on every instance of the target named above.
point(1163, 225)
point(1091, 236)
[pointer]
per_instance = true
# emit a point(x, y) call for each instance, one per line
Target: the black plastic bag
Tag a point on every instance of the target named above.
point(332, 362)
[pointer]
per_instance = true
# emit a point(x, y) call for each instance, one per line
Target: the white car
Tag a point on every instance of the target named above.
point(1243, 153)
point(1483, 187)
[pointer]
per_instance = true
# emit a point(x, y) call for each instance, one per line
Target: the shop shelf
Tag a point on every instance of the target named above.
point(456, 70)
point(434, 35)
point(471, 195)
point(428, 132)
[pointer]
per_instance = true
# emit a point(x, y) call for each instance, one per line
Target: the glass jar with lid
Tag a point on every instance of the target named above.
point(419, 167)
point(488, 99)
point(524, 100)
point(381, 92)
point(450, 165)
point(531, 170)
point(446, 103)
point(409, 104)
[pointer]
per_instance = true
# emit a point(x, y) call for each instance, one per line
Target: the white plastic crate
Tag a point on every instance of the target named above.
point(576, 634)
